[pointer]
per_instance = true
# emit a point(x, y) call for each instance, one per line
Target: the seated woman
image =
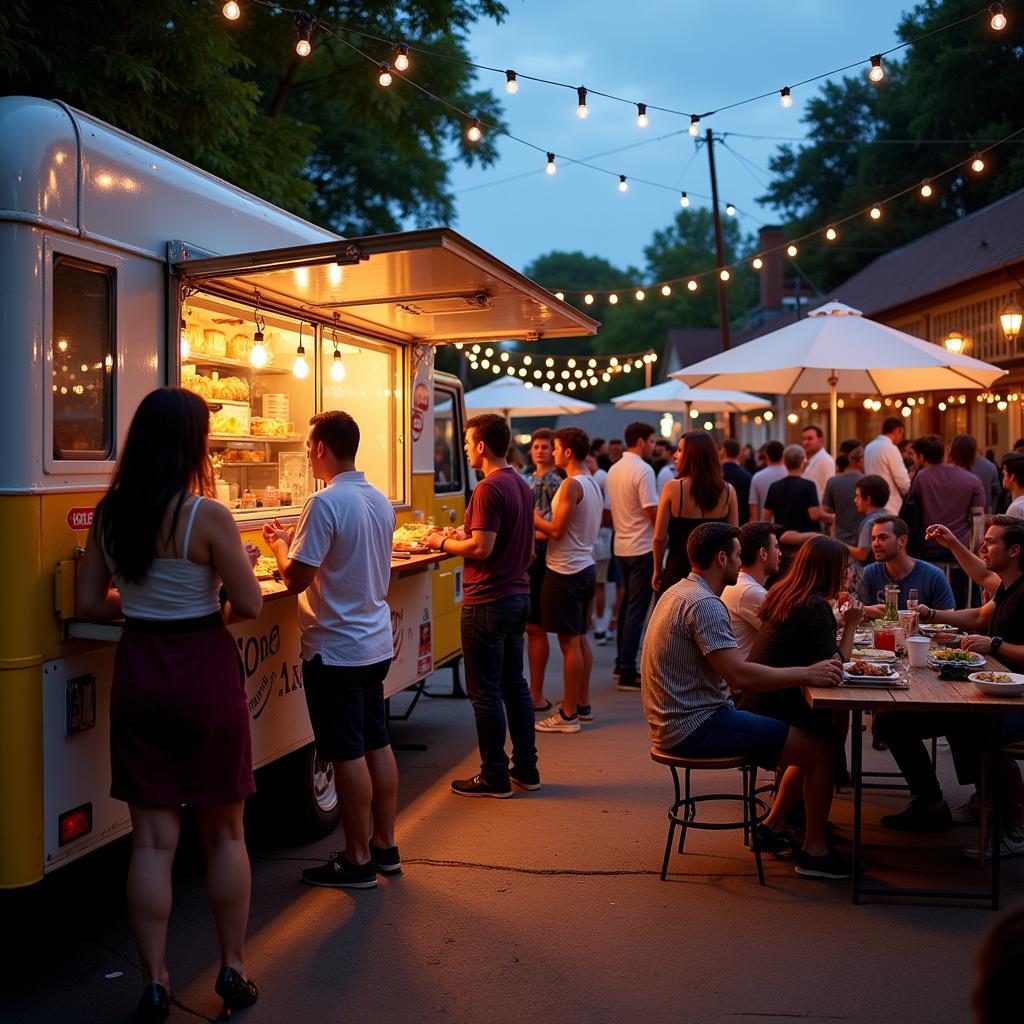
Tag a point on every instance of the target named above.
point(798, 627)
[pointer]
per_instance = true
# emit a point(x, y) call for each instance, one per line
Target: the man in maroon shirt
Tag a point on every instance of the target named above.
point(497, 545)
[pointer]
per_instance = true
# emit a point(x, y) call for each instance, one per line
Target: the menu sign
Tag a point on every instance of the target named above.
point(80, 518)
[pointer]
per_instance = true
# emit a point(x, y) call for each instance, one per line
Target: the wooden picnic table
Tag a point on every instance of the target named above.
point(926, 693)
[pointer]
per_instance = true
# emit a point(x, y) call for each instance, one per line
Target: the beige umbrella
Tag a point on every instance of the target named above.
point(511, 397)
point(836, 347)
point(675, 396)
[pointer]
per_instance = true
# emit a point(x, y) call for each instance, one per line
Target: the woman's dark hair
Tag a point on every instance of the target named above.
point(963, 450)
point(819, 568)
point(703, 469)
point(164, 458)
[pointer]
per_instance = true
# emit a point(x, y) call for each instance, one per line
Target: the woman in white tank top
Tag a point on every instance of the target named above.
point(179, 719)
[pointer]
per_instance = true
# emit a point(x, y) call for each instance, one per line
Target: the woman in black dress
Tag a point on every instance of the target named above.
point(798, 627)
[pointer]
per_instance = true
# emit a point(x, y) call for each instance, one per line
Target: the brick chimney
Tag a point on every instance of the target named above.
point(773, 273)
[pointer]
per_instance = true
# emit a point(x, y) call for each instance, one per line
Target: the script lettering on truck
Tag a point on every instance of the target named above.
point(255, 651)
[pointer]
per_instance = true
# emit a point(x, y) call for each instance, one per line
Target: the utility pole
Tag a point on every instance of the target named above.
point(723, 309)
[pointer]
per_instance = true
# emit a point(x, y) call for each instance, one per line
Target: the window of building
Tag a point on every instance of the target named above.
point(447, 445)
point(82, 360)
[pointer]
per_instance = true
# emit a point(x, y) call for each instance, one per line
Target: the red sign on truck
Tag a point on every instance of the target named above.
point(80, 518)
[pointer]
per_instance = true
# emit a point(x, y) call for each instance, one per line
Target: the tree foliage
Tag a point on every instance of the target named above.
point(961, 85)
point(317, 136)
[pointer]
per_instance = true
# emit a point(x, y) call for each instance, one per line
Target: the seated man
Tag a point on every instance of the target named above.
point(689, 661)
point(996, 628)
point(759, 559)
point(892, 564)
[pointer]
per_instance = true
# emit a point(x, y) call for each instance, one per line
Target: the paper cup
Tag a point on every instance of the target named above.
point(917, 648)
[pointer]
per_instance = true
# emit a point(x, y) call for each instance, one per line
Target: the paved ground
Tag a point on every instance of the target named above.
point(546, 907)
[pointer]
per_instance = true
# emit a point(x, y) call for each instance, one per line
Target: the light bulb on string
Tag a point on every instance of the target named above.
point(300, 367)
point(560, 296)
point(730, 210)
point(640, 295)
point(384, 76)
point(258, 352)
point(623, 184)
point(231, 11)
point(724, 274)
point(684, 200)
point(875, 213)
point(831, 234)
point(588, 299)
point(473, 132)
point(337, 366)
point(926, 189)
point(977, 164)
point(692, 285)
point(876, 72)
point(303, 30)
point(642, 120)
point(785, 98)
point(694, 128)
point(551, 168)
point(582, 110)
point(998, 21)
point(666, 290)
point(613, 299)
point(511, 82)
point(757, 263)
point(402, 59)
point(791, 250)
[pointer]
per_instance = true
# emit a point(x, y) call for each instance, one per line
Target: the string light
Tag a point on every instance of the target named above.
point(551, 168)
point(623, 184)
point(384, 77)
point(926, 189)
point(684, 200)
point(757, 263)
point(231, 11)
point(875, 213)
point(785, 98)
point(694, 128)
point(511, 82)
point(666, 290)
point(640, 295)
point(402, 60)
point(613, 299)
point(692, 285)
point(182, 342)
point(582, 110)
point(876, 72)
point(791, 250)
point(473, 132)
point(724, 274)
point(258, 353)
point(642, 120)
point(560, 296)
point(998, 21)
point(831, 234)
point(730, 210)
point(588, 299)
point(300, 367)
point(303, 30)
point(977, 164)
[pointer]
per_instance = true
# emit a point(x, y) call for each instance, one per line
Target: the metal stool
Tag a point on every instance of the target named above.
point(755, 810)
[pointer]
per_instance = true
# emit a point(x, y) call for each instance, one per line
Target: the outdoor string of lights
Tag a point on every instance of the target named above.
point(305, 25)
point(554, 372)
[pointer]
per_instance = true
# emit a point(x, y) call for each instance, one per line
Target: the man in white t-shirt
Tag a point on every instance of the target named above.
point(821, 467)
point(882, 458)
point(338, 560)
point(764, 478)
point(602, 552)
point(634, 501)
point(759, 559)
point(1013, 481)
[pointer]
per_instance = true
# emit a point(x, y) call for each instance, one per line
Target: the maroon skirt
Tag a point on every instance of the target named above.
point(179, 718)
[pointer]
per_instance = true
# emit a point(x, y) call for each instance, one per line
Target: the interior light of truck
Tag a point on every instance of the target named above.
point(258, 354)
point(74, 824)
point(337, 367)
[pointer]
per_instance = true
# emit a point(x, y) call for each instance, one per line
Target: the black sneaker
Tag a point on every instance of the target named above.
point(585, 712)
point(478, 786)
point(386, 859)
point(917, 817)
point(829, 865)
point(525, 778)
point(340, 873)
point(781, 845)
point(628, 680)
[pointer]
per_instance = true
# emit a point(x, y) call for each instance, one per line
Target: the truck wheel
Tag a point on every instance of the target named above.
point(296, 800)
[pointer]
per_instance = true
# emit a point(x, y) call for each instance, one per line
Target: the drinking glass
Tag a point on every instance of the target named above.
point(913, 599)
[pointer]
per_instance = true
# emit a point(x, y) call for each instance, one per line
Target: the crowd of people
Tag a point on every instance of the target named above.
point(739, 578)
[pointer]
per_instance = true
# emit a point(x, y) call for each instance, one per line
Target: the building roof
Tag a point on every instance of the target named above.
point(976, 244)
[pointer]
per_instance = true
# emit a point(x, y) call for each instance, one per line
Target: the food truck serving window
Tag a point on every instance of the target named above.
point(82, 360)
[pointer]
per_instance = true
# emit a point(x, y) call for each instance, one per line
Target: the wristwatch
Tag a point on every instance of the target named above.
point(997, 642)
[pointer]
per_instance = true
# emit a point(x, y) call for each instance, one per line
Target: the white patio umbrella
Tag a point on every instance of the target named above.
point(675, 396)
point(836, 347)
point(510, 397)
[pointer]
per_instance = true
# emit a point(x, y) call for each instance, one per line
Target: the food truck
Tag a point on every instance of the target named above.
point(125, 269)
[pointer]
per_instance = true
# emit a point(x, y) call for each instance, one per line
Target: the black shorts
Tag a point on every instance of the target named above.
point(346, 708)
point(565, 599)
point(536, 572)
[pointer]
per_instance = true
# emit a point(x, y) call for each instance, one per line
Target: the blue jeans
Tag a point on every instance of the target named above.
point(637, 571)
point(492, 647)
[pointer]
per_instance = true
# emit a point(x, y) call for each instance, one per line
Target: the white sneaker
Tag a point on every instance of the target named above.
point(558, 723)
point(1011, 844)
point(967, 812)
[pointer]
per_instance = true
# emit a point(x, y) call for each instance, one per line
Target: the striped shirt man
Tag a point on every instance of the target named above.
point(679, 688)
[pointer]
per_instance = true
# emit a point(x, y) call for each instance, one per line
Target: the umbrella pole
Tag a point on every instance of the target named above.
point(833, 412)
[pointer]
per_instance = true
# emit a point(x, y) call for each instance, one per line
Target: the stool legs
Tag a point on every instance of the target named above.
point(750, 817)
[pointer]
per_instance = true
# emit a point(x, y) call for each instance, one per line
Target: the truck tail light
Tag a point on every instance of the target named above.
point(75, 823)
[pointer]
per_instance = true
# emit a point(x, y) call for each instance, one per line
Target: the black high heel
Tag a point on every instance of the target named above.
point(236, 991)
point(154, 1005)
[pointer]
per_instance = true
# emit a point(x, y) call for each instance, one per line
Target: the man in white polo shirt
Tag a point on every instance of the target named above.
point(821, 467)
point(634, 501)
point(882, 458)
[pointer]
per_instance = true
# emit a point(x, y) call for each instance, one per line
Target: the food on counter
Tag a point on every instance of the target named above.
point(195, 339)
point(227, 421)
point(266, 566)
point(225, 389)
point(954, 656)
point(992, 677)
point(239, 346)
point(267, 426)
point(412, 536)
point(867, 668)
point(242, 455)
point(216, 345)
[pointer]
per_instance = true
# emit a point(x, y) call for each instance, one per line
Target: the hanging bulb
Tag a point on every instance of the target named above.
point(977, 164)
point(511, 82)
point(694, 122)
point(757, 263)
point(560, 296)
point(684, 200)
point(582, 110)
point(258, 354)
point(642, 120)
point(473, 133)
point(384, 77)
point(875, 213)
point(303, 29)
point(623, 184)
point(692, 285)
point(613, 299)
point(300, 367)
point(402, 60)
point(640, 295)
point(876, 72)
point(998, 21)
point(926, 190)
point(730, 210)
point(785, 98)
point(724, 274)
point(831, 234)
point(337, 367)
point(666, 290)
point(231, 11)
point(183, 341)
point(551, 168)
point(791, 250)
point(588, 299)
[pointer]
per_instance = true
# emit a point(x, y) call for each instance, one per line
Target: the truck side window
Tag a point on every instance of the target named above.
point(447, 446)
point(82, 360)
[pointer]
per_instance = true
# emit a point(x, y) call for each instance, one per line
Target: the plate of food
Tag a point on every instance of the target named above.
point(998, 684)
point(873, 654)
point(870, 672)
point(265, 567)
point(955, 656)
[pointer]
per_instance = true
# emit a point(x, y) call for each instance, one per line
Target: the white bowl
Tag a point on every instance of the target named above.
point(1011, 689)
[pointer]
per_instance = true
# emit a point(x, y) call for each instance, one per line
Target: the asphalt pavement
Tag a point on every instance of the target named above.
point(546, 907)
